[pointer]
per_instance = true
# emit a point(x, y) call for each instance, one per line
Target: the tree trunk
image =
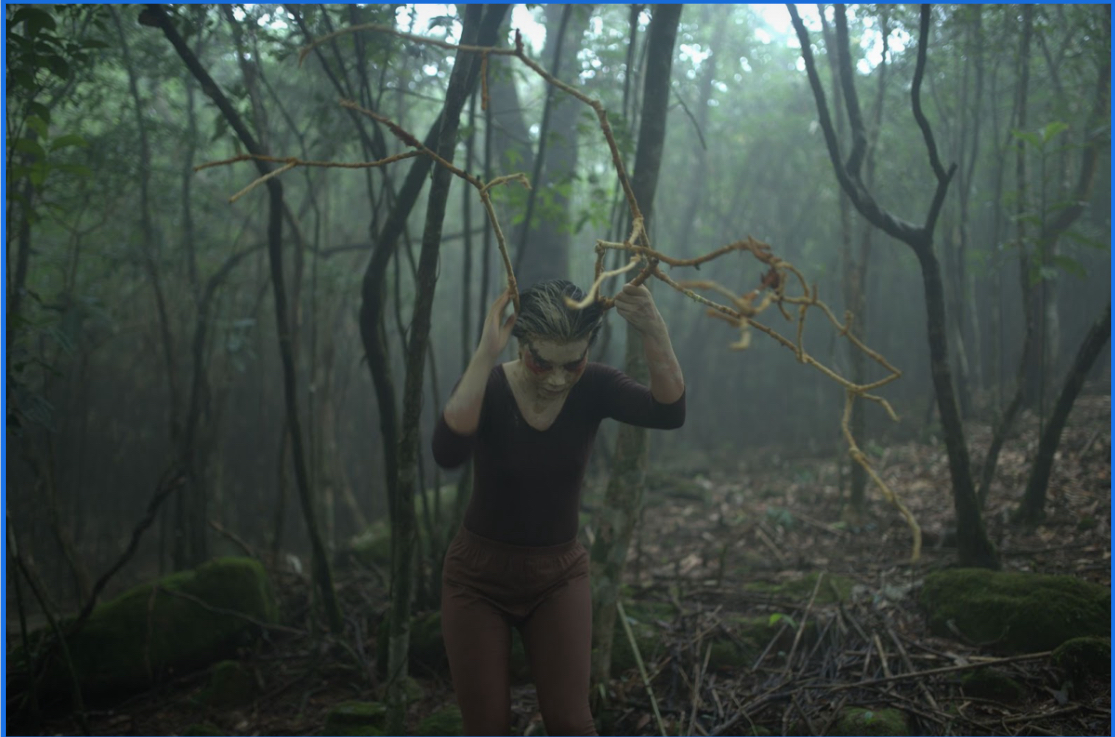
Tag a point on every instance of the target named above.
point(323, 576)
point(854, 289)
point(546, 237)
point(624, 496)
point(1032, 509)
point(1027, 386)
point(189, 544)
point(974, 547)
point(686, 225)
point(476, 30)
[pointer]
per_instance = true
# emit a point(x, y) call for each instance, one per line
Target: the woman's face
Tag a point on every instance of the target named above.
point(552, 368)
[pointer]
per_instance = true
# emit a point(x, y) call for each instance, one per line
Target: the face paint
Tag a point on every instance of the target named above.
point(553, 368)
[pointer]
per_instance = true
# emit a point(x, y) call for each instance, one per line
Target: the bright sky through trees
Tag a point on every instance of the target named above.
point(429, 16)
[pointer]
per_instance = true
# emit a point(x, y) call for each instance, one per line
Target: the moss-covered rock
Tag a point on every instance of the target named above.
point(231, 683)
point(799, 588)
point(1084, 658)
point(989, 683)
point(857, 721)
point(444, 721)
point(356, 719)
point(203, 729)
point(372, 546)
point(1015, 612)
point(181, 622)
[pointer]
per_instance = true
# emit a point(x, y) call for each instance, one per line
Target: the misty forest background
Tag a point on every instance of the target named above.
point(144, 360)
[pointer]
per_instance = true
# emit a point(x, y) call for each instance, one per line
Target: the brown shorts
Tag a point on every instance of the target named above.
point(489, 587)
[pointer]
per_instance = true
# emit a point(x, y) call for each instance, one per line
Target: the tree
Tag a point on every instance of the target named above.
point(156, 16)
point(1032, 509)
point(1051, 228)
point(627, 485)
point(480, 26)
point(974, 547)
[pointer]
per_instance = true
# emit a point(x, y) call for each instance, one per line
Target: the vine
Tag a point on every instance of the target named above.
point(740, 312)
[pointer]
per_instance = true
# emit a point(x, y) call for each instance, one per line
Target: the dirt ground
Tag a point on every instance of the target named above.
point(709, 530)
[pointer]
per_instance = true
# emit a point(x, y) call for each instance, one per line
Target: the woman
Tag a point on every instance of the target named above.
point(529, 425)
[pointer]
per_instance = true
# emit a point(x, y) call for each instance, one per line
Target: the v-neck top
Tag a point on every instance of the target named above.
point(527, 482)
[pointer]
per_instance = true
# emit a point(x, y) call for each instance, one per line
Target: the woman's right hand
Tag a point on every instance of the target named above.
point(497, 331)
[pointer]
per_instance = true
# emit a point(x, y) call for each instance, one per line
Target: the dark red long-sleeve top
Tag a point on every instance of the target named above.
point(526, 482)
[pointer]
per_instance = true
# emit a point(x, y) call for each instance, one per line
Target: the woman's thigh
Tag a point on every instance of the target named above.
point(558, 639)
point(478, 642)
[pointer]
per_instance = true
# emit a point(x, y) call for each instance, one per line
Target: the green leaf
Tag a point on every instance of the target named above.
point(37, 124)
point(24, 79)
point(1051, 130)
point(1085, 240)
point(80, 170)
point(1031, 138)
point(41, 111)
point(1039, 274)
point(37, 173)
point(1071, 266)
point(778, 617)
point(30, 146)
point(70, 139)
point(59, 66)
point(36, 19)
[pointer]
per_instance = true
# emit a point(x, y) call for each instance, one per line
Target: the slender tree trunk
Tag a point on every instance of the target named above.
point(974, 547)
point(626, 488)
point(555, 163)
point(854, 290)
point(1032, 509)
point(718, 16)
point(189, 546)
point(323, 576)
point(1051, 232)
point(478, 28)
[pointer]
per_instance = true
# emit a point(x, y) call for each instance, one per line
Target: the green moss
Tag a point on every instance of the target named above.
point(202, 729)
point(988, 683)
point(1083, 658)
point(356, 718)
point(751, 636)
point(857, 721)
point(444, 721)
point(230, 684)
point(372, 546)
point(1015, 612)
point(833, 588)
point(133, 640)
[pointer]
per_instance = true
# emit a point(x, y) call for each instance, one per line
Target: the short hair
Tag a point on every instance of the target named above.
point(544, 314)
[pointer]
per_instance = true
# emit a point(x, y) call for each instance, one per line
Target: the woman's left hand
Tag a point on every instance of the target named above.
point(635, 305)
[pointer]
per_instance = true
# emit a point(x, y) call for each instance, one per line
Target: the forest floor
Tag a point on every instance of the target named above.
point(707, 533)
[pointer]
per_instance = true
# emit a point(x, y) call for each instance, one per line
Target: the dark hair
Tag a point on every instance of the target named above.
point(543, 313)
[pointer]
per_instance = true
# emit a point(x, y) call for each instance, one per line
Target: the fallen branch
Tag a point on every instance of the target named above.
point(935, 671)
point(639, 662)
